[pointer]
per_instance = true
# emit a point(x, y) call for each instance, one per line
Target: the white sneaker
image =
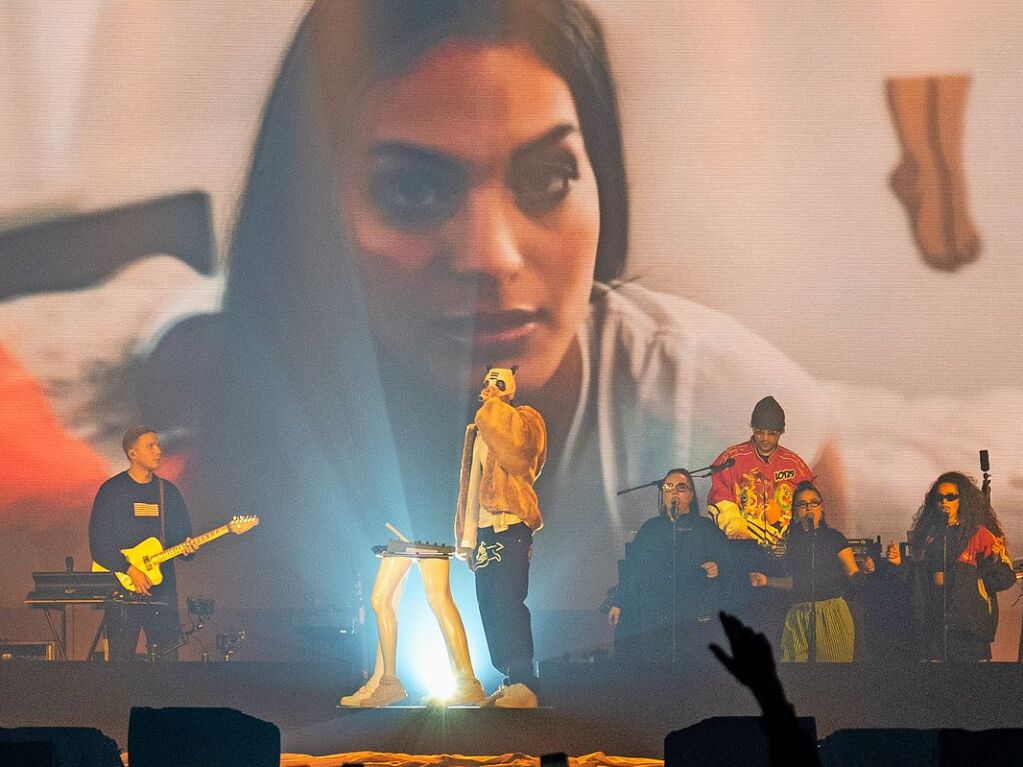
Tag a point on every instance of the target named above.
point(375, 693)
point(355, 699)
point(467, 692)
point(513, 696)
point(389, 690)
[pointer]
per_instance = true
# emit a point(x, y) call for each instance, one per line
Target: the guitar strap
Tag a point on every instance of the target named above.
point(163, 510)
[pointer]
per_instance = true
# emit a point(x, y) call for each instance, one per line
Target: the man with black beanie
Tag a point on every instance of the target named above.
point(752, 499)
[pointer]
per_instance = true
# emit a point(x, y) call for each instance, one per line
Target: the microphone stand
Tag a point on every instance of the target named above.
point(944, 593)
point(623, 491)
point(674, 587)
point(813, 594)
point(674, 579)
point(985, 488)
point(696, 473)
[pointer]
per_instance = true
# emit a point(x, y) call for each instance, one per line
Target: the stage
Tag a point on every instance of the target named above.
point(588, 708)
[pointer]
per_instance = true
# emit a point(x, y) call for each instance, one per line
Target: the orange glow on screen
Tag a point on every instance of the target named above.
point(44, 466)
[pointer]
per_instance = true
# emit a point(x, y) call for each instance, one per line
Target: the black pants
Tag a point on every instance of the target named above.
point(161, 624)
point(502, 582)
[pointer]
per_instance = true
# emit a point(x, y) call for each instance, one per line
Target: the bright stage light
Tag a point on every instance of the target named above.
point(422, 655)
point(432, 668)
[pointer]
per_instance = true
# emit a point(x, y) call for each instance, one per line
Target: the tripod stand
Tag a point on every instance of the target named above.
point(200, 609)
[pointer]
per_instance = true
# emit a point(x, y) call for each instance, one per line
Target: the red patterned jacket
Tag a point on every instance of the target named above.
point(753, 498)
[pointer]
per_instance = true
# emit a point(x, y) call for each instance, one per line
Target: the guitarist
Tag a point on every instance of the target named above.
point(130, 507)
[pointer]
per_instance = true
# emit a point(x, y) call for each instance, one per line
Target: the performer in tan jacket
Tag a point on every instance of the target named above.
point(504, 452)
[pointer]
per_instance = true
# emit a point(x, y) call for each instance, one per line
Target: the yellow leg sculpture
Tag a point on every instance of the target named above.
point(383, 687)
point(385, 581)
point(436, 573)
point(390, 576)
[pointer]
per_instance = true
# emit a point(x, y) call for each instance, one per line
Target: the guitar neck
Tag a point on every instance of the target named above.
point(198, 540)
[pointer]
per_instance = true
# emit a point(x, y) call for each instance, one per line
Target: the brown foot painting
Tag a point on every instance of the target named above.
point(930, 181)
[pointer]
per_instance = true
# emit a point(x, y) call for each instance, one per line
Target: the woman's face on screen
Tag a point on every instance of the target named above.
point(473, 211)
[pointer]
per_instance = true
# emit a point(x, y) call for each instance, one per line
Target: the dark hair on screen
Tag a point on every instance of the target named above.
point(343, 47)
point(296, 339)
point(567, 37)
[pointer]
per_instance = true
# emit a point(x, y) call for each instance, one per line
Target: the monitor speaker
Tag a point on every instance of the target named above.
point(724, 740)
point(199, 737)
point(58, 746)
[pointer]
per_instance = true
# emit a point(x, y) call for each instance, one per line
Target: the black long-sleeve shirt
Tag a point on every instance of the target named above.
point(663, 564)
point(126, 512)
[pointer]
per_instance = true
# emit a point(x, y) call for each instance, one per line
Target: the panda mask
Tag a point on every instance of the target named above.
point(500, 383)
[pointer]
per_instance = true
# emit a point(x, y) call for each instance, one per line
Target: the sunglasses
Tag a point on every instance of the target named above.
point(809, 504)
point(948, 497)
point(681, 487)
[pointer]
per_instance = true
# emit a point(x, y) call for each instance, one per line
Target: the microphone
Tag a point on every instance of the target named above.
point(985, 466)
point(806, 522)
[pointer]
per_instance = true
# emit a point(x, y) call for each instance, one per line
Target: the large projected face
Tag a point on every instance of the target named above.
point(474, 213)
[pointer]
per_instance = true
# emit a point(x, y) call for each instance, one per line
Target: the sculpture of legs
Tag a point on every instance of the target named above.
point(438, 595)
point(390, 575)
point(436, 573)
point(355, 700)
point(383, 686)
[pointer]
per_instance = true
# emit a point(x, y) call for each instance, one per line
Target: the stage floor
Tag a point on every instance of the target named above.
point(588, 708)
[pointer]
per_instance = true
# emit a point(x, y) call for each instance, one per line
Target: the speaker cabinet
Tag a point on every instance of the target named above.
point(922, 748)
point(65, 746)
point(724, 741)
point(198, 737)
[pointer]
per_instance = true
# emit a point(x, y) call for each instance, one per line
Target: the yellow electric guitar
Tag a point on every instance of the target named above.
point(149, 555)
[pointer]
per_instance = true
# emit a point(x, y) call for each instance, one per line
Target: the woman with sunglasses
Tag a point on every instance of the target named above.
point(820, 565)
point(960, 561)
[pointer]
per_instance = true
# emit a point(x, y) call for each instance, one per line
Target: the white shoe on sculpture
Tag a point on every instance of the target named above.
point(467, 692)
point(383, 692)
point(389, 690)
point(355, 699)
